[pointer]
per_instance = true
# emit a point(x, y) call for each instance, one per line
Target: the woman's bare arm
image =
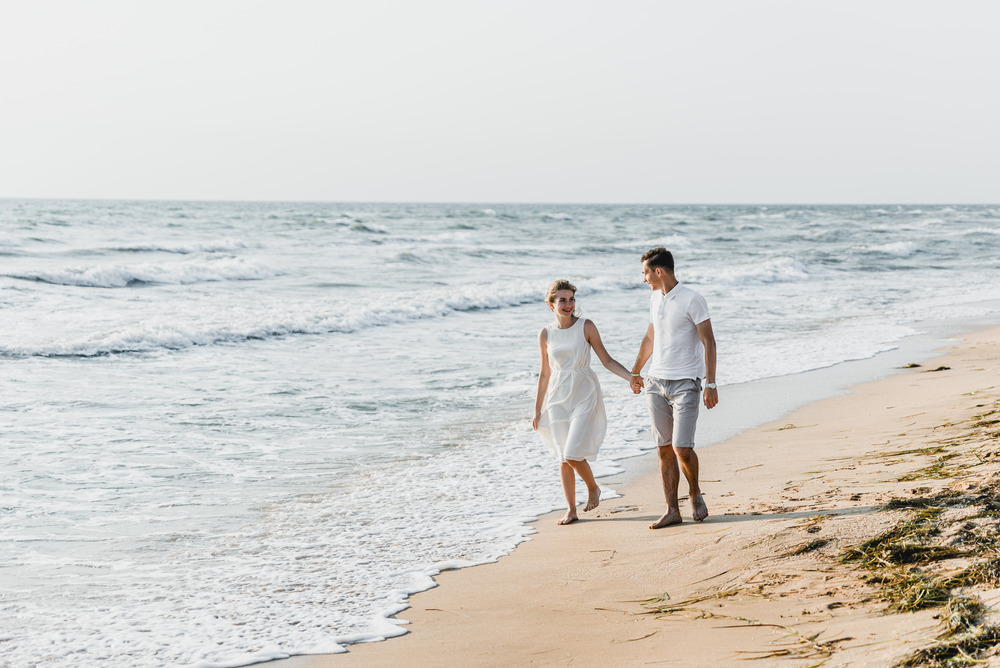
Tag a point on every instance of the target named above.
point(543, 377)
point(594, 339)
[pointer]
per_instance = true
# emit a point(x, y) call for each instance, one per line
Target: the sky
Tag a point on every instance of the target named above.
point(714, 101)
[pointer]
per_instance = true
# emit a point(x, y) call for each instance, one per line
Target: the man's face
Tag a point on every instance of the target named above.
point(650, 276)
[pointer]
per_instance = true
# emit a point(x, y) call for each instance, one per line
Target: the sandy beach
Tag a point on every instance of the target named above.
point(854, 531)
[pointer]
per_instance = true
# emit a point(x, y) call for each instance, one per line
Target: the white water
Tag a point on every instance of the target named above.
point(214, 415)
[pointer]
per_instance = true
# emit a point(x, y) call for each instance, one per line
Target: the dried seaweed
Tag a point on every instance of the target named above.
point(964, 640)
point(807, 546)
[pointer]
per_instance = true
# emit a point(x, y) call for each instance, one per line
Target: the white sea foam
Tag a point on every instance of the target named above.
point(824, 347)
point(346, 561)
point(195, 270)
point(897, 249)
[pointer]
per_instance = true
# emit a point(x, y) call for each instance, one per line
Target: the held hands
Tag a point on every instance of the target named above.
point(636, 383)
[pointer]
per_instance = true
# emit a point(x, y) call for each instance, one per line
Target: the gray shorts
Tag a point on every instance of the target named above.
point(673, 410)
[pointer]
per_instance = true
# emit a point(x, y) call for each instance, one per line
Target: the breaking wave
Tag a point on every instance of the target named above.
point(197, 270)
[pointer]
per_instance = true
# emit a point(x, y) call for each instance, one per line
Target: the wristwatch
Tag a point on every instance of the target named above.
point(711, 386)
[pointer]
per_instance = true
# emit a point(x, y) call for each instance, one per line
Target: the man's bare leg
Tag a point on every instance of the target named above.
point(671, 477)
point(568, 478)
point(582, 467)
point(689, 464)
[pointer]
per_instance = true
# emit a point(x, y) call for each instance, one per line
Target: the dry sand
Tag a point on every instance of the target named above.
point(818, 478)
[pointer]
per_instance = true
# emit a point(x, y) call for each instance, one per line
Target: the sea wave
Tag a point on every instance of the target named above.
point(897, 249)
point(669, 242)
point(764, 216)
point(408, 257)
point(975, 231)
point(195, 270)
point(459, 236)
point(167, 333)
point(369, 228)
point(217, 246)
point(774, 270)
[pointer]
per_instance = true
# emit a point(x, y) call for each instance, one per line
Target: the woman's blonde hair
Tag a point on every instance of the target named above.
point(561, 284)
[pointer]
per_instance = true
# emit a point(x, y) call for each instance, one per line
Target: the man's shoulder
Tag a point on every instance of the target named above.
point(692, 303)
point(689, 294)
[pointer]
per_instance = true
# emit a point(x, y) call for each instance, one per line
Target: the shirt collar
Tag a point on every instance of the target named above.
point(672, 292)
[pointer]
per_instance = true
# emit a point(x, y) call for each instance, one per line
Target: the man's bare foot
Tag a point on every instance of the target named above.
point(670, 517)
point(569, 517)
point(593, 499)
point(698, 508)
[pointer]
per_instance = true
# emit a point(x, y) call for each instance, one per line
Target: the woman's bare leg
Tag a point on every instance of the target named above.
point(582, 467)
point(568, 478)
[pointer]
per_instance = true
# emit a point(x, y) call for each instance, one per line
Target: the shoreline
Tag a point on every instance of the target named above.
point(575, 591)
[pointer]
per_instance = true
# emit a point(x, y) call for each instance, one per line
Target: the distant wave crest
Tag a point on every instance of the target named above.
point(195, 270)
point(982, 230)
point(217, 246)
point(671, 242)
point(307, 318)
point(897, 249)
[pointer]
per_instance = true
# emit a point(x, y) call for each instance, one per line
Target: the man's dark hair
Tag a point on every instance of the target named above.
point(659, 257)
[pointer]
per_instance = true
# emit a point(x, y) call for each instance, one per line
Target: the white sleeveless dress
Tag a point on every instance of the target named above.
point(573, 422)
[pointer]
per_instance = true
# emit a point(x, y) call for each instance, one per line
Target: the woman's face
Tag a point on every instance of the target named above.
point(565, 303)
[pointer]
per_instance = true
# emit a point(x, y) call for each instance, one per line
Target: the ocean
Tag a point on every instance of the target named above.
point(233, 432)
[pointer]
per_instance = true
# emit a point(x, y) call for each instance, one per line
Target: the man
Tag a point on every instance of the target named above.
point(680, 340)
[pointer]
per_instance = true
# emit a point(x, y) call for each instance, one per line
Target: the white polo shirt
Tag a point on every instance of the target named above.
point(678, 352)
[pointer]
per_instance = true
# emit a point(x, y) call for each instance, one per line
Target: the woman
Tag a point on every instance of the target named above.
point(569, 411)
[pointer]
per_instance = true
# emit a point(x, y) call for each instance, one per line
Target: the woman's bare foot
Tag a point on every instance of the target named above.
point(698, 508)
point(569, 517)
point(593, 499)
point(670, 517)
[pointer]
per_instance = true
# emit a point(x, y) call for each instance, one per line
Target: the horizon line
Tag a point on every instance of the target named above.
point(487, 202)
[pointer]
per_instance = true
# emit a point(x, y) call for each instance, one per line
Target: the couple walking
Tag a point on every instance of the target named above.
point(569, 411)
